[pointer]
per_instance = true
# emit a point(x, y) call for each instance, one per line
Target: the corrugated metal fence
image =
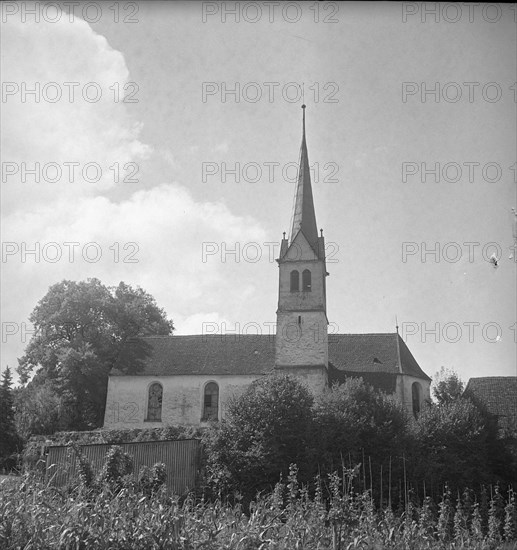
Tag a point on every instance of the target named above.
point(181, 459)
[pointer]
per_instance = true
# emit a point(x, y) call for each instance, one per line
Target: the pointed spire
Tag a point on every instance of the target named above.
point(304, 217)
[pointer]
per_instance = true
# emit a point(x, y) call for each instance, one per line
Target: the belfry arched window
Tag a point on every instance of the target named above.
point(416, 395)
point(306, 280)
point(211, 402)
point(154, 402)
point(295, 281)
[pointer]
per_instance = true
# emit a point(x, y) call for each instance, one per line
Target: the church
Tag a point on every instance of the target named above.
point(188, 380)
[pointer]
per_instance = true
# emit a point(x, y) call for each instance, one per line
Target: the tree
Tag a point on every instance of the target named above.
point(356, 424)
point(38, 410)
point(83, 330)
point(447, 386)
point(453, 443)
point(266, 429)
point(8, 437)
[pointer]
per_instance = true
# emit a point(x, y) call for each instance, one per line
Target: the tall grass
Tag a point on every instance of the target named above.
point(38, 516)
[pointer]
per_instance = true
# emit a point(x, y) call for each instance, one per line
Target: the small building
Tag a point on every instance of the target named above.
point(188, 380)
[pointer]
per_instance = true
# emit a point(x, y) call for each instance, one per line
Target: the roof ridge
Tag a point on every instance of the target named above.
point(360, 334)
point(163, 336)
point(491, 377)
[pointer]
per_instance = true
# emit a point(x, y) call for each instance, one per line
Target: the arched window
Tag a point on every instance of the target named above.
point(154, 403)
point(211, 402)
point(306, 280)
point(416, 394)
point(295, 281)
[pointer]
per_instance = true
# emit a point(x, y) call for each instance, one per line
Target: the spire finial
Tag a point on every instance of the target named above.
point(396, 324)
point(303, 107)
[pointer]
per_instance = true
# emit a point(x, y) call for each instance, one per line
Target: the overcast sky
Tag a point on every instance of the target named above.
point(150, 131)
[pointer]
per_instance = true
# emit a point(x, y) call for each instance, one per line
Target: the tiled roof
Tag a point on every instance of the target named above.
point(373, 353)
point(409, 363)
point(384, 381)
point(253, 354)
point(499, 395)
point(210, 354)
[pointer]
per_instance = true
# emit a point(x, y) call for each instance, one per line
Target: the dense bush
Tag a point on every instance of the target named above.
point(355, 424)
point(117, 468)
point(276, 422)
point(452, 444)
point(456, 442)
point(150, 480)
point(266, 429)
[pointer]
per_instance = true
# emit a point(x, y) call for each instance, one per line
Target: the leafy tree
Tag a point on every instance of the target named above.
point(82, 331)
point(453, 442)
point(447, 386)
point(266, 429)
point(38, 409)
point(356, 424)
point(8, 437)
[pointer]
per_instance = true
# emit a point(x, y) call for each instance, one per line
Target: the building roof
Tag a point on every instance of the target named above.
point(384, 381)
point(499, 395)
point(304, 217)
point(356, 354)
point(377, 352)
point(209, 354)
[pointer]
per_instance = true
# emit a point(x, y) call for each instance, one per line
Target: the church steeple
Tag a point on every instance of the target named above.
point(301, 344)
point(304, 217)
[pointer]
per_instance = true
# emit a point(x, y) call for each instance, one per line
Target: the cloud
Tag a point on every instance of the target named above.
point(203, 323)
point(152, 238)
point(156, 237)
point(221, 147)
point(74, 116)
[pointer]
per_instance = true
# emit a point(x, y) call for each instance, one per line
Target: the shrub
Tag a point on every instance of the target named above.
point(117, 467)
point(150, 480)
point(86, 475)
point(354, 423)
point(266, 429)
point(451, 446)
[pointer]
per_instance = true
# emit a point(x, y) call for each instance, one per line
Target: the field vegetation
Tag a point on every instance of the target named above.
point(349, 469)
point(115, 512)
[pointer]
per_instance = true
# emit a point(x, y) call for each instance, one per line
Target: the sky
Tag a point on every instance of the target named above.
point(156, 143)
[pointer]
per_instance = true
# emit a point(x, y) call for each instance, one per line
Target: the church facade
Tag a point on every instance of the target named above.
point(188, 380)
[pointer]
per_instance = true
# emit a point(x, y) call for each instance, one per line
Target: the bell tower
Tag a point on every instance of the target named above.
point(301, 330)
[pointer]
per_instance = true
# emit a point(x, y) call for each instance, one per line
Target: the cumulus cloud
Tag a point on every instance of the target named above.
point(73, 119)
point(155, 238)
point(152, 238)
